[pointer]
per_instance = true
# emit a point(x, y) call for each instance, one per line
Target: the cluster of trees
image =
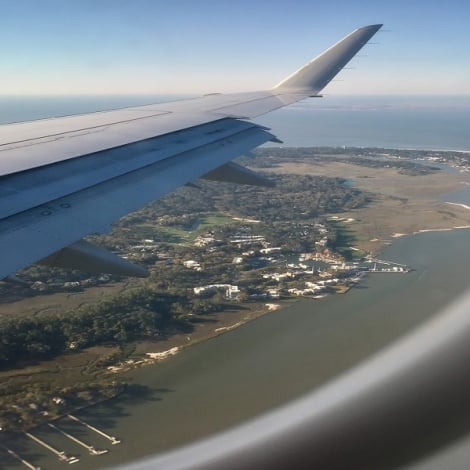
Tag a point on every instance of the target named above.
point(295, 197)
point(127, 317)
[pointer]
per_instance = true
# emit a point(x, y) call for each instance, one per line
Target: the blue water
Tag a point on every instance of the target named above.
point(366, 121)
point(27, 108)
point(424, 122)
point(461, 196)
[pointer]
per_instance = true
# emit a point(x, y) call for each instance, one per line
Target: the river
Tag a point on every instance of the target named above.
point(271, 360)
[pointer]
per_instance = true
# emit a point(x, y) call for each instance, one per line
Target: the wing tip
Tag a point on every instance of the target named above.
point(376, 26)
point(316, 74)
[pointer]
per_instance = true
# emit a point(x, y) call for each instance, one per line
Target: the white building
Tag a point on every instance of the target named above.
point(191, 264)
point(231, 292)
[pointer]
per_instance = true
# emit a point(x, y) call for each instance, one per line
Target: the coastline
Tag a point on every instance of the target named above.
point(373, 227)
point(393, 214)
point(402, 205)
point(221, 323)
point(205, 389)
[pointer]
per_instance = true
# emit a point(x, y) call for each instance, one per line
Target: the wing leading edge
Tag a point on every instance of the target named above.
point(64, 178)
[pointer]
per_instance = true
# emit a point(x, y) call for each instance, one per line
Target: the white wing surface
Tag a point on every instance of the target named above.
point(64, 178)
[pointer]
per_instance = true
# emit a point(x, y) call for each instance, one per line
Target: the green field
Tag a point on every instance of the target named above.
point(181, 236)
point(345, 240)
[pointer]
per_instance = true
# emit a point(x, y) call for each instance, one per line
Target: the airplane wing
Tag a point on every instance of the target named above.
point(65, 178)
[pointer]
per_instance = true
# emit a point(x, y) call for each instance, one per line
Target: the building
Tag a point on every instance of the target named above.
point(231, 292)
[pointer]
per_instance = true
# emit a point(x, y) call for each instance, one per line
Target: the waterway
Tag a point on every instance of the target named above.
point(269, 361)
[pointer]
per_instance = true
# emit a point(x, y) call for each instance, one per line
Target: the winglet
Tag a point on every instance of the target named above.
point(315, 75)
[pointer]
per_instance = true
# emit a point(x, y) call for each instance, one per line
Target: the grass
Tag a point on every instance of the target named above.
point(180, 236)
point(215, 220)
point(345, 238)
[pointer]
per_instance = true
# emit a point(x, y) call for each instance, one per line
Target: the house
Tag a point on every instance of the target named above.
point(273, 293)
point(191, 264)
point(231, 292)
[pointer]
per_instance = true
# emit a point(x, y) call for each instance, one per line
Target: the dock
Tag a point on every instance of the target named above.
point(61, 455)
point(19, 458)
point(110, 438)
point(395, 268)
point(88, 447)
point(388, 263)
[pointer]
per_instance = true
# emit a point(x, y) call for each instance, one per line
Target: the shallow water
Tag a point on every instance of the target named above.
point(273, 359)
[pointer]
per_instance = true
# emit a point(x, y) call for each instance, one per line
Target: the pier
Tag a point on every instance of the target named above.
point(88, 447)
point(386, 263)
point(113, 439)
point(61, 455)
point(19, 458)
point(386, 266)
point(394, 269)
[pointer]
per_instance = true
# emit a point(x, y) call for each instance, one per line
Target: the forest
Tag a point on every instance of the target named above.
point(132, 315)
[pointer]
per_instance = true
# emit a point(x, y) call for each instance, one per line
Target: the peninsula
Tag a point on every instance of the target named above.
point(219, 256)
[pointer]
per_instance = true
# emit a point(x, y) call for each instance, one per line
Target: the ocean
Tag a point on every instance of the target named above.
point(414, 122)
point(417, 122)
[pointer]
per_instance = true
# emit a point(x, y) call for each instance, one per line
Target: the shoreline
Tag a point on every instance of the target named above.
point(164, 349)
point(224, 323)
point(375, 227)
point(177, 341)
point(387, 213)
point(188, 393)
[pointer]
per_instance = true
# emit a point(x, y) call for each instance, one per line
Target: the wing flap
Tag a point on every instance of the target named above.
point(22, 191)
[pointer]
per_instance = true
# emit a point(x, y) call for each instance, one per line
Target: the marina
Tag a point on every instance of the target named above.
point(55, 449)
point(20, 459)
point(393, 269)
point(63, 456)
point(60, 454)
point(88, 447)
point(112, 439)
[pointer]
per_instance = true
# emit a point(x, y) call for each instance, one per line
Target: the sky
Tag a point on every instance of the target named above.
point(203, 46)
